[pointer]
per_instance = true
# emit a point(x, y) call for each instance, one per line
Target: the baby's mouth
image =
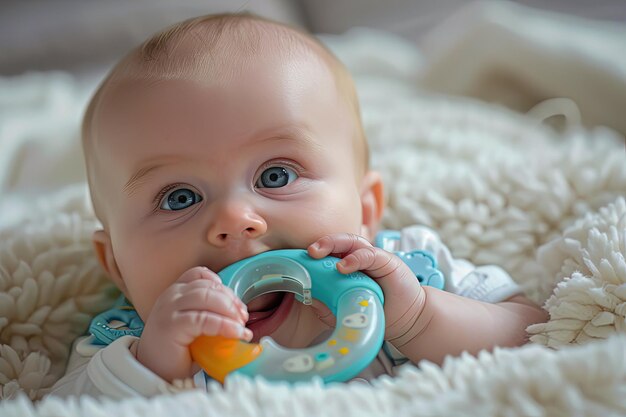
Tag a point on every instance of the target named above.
point(268, 312)
point(264, 306)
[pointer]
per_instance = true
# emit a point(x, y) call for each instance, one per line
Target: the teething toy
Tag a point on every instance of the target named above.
point(355, 300)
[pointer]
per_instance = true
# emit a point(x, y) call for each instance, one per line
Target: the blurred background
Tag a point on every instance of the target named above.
point(79, 35)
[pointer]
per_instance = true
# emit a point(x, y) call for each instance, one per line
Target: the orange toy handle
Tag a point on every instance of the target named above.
point(219, 356)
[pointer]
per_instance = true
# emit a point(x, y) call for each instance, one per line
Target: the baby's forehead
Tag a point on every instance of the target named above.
point(137, 87)
point(198, 55)
point(211, 51)
point(136, 93)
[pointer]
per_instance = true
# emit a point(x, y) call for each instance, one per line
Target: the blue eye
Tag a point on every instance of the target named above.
point(180, 199)
point(276, 177)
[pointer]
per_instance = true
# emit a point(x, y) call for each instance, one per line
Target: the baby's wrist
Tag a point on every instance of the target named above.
point(173, 386)
point(411, 324)
point(169, 364)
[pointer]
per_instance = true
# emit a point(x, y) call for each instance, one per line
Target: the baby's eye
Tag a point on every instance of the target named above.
point(180, 199)
point(276, 177)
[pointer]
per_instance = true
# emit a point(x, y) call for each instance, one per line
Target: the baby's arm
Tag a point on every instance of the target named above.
point(449, 324)
point(111, 371)
point(197, 303)
point(423, 322)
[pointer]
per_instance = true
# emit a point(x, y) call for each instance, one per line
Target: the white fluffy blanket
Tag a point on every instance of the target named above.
point(499, 187)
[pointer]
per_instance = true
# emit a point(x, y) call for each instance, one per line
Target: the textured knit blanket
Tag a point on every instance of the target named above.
point(500, 187)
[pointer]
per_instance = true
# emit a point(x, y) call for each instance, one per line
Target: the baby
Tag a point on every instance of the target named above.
point(226, 136)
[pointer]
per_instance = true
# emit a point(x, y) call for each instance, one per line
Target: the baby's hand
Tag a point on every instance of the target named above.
point(196, 304)
point(404, 297)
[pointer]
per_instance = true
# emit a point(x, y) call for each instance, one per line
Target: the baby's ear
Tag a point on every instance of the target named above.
point(104, 252)
point(372, 203)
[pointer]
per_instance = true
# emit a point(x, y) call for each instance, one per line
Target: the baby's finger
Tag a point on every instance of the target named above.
point(214, 300)
point(225, 292)
point(196, 273)
point(201, 275)
point(197, 323)
point(242, 306)
point(337, 245)
point(375, 262)
point(213, 277)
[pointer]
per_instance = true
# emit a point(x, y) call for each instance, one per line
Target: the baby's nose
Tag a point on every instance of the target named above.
point(235, 221)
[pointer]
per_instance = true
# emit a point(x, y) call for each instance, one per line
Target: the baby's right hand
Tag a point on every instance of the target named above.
point(196, 304)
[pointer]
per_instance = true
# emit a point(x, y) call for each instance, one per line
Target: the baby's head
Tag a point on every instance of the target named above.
point(218, 139)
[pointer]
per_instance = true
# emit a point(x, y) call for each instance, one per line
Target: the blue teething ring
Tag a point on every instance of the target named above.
point(355, 300)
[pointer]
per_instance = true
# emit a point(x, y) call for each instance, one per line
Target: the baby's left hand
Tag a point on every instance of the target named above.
point(404, 297)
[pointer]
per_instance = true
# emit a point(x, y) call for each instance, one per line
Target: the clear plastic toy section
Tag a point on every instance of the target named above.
point(355, 300)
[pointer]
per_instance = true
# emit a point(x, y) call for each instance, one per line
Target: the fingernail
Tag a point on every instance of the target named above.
point(315, 246)
point(345, 263)
point(248, 334)
point(244, 314)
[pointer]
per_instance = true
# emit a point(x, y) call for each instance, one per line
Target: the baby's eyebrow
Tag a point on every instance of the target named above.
point(297, 133)
point(135, 181)
point(293, 133)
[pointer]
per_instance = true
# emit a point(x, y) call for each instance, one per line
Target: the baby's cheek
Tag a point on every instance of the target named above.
point(145, 286)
